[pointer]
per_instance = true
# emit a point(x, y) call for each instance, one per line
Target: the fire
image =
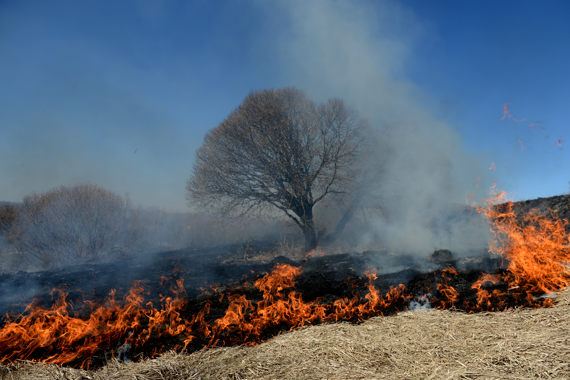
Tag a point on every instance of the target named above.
point(492, 301)
point(56, 336)
point(282, 307)
point(59, 337)
point(315, 252)
point(536, 248)
point(352, 309)
point(448, 296)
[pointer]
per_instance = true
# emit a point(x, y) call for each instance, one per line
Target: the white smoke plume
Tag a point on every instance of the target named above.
point(361, 52)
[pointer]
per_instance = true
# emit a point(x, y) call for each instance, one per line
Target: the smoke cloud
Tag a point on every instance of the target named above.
point(418, 174)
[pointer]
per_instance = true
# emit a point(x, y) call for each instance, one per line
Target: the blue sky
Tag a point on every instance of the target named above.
point(120, 94)
point(489, 53)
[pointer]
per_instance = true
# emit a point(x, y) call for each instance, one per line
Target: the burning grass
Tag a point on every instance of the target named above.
point(535, 246)
point(59, 335)
point(517, 344)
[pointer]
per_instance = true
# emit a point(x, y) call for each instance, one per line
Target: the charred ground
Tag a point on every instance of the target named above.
point(214, 278)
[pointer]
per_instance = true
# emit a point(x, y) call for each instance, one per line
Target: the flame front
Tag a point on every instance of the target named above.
point(536, 247)
point(60, 338)
point(55, 336)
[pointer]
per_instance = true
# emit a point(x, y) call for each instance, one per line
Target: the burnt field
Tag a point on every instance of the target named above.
point(520, 344)
point(229, 265)
point(185, 300)
point(224, 268)
point(284, 190)
point(196, 285)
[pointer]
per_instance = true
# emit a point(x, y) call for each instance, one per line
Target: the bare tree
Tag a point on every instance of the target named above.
point(278, 149)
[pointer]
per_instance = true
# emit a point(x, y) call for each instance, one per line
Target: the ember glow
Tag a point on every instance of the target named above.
point(536, 248)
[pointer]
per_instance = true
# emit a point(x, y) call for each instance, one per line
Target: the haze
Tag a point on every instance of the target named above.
point(120, 94)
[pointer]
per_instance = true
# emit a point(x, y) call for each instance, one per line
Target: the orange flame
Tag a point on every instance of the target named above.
point(68, 339)
point(536, 247)
point(448, 296)
point(249, 321)
point(55, 336)
point(314, 252)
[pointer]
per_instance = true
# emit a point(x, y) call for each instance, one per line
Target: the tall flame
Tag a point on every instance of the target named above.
point(537, 248)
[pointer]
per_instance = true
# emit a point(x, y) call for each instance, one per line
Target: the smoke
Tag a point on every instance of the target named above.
point(86, 224)
point(417, 173)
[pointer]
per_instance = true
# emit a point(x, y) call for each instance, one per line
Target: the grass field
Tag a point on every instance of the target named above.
point(433, 344)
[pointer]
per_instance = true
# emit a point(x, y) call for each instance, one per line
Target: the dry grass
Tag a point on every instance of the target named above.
point(434, 344)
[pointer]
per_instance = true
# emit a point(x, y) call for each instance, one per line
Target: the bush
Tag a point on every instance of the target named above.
point(70, 224)
point(7, 217)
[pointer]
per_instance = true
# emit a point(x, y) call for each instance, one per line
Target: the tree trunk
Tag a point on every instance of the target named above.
point(310, 237)
point(307, 225)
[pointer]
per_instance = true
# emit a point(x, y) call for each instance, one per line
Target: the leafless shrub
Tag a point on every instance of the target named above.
point(7, 217)
point(71, 224)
